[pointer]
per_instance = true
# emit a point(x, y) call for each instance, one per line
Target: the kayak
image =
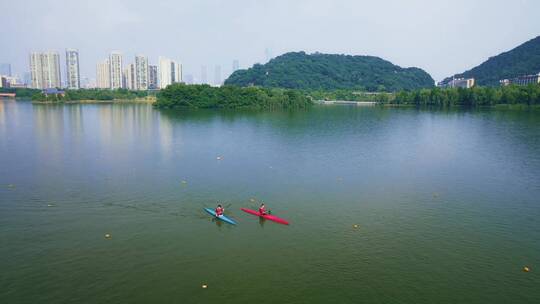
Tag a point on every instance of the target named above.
point(266, 216)
point(221, 217)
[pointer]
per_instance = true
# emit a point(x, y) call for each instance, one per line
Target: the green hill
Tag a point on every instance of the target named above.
point(298, 70)
point(523, 60)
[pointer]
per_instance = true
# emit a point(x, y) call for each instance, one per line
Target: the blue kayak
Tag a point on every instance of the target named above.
point(221, 217)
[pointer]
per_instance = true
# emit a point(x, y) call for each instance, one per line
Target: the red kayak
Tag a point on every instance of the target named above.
point(266, 216)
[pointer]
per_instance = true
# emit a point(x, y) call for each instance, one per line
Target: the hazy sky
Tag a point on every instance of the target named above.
point(442, 37)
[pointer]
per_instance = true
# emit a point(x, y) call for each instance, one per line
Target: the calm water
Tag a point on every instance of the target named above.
point(447, 203)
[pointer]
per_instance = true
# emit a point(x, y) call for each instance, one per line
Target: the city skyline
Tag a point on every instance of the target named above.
point(138, 75)
point(445, 39)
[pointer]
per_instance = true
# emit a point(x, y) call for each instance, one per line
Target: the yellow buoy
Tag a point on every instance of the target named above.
point(219, 158)
point(355, 226)
point(184, 182)
point(252, 200)
point(204, 286)
point(107, 236)
point(526, 269)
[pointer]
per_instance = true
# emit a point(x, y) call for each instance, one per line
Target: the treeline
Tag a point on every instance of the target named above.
point(476, 96)
point(90, 94)
point(20, 92)
point(230, 97)
point(350, 95)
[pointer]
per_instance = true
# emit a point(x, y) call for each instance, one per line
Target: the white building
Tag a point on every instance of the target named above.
point(72, 69)
point(45, 70)
point(522, 80)
point(141, 72)
point(169, 72)
point(115, 66)
point(130, 77)
point(103, 75)
point(465, 83)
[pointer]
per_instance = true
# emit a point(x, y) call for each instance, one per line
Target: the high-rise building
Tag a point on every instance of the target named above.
point(5, 69)
point(217, 75)
point(176, 69)
point(130, 77)
point(235, 65)
point(141, 72)
point(103, 75)
point(45, 70)
point(169, 72)
point(204, 78)
point(115, 66)
point(72, 69)
point(152, 77)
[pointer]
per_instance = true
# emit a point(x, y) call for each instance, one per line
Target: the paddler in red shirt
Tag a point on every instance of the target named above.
point(262, 209)
point(219, 210)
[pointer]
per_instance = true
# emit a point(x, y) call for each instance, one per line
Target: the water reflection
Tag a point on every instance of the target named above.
point(49, 126)
point(124, 124)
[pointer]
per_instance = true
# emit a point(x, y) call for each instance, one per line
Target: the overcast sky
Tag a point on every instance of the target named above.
point(441, 37)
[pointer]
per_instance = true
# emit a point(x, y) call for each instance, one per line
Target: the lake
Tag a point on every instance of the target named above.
point(446, 205)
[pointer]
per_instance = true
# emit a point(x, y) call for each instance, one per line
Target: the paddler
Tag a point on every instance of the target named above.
point(219, 210)
point(262, 209)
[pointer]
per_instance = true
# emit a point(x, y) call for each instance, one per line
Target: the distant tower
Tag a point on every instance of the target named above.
point(72, 69)
point(176, 72)
point(141, 72)
point(45, 70)
point(235, 65)
point(152, 77)
point(130, 77)
point(169, 72)
point(103, 75)
point(203, 75)
point(116, 67)
point(217, 75)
